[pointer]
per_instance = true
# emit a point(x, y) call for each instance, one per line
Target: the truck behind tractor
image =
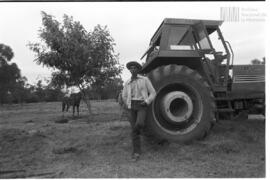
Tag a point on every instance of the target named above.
point(191, 67)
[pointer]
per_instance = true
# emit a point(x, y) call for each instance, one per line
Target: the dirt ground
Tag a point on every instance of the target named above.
point(33, 145)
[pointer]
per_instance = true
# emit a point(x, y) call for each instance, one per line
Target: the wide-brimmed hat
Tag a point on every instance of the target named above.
point(134, 63)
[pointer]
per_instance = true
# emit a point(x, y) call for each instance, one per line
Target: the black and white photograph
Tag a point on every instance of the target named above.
point(133, 89)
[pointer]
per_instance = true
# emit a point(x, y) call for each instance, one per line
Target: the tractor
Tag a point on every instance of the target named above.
point(191, 67)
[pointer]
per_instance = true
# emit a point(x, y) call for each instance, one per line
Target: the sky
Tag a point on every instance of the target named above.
point(131, 24)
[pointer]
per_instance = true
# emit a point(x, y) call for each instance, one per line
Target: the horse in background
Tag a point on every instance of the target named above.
point(73, 100)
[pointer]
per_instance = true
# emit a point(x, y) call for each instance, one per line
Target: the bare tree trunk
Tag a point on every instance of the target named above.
point(86, 99)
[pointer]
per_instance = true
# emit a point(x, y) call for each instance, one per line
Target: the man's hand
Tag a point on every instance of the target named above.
point(143, 103)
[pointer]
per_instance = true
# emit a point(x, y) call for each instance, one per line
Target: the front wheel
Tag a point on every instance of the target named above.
point(183, 109)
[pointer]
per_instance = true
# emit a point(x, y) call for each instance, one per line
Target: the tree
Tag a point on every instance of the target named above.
point(39, 90)
point(263, 61)
point(6, 54)
point(10, 74)
point(78, 57)
point(20, 91)
point(112, 89)
point(257, 61)
point(46, 92)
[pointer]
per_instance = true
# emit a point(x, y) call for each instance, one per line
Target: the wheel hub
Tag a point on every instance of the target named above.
point(176, 106)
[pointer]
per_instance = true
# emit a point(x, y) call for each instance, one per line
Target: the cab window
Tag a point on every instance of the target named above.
point(181, 38)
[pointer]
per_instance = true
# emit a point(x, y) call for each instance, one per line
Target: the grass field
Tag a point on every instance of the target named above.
point(32, 145)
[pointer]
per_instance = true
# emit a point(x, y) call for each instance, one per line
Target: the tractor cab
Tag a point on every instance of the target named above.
point(191, 43)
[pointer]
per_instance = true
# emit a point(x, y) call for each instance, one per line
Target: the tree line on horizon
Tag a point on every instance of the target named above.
point(15, 89)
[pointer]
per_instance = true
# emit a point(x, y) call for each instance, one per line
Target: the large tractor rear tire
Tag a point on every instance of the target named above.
point(183, 109)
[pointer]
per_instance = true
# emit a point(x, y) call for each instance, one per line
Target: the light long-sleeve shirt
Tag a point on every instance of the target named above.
point(140, 88)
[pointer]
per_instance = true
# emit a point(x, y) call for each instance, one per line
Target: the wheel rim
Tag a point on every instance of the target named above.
point(176, 106)
point(177, 109)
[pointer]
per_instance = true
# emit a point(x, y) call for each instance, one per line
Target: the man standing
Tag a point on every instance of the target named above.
point(137, 94)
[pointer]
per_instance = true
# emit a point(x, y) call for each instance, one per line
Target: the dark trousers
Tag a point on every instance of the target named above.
point(137, 119)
